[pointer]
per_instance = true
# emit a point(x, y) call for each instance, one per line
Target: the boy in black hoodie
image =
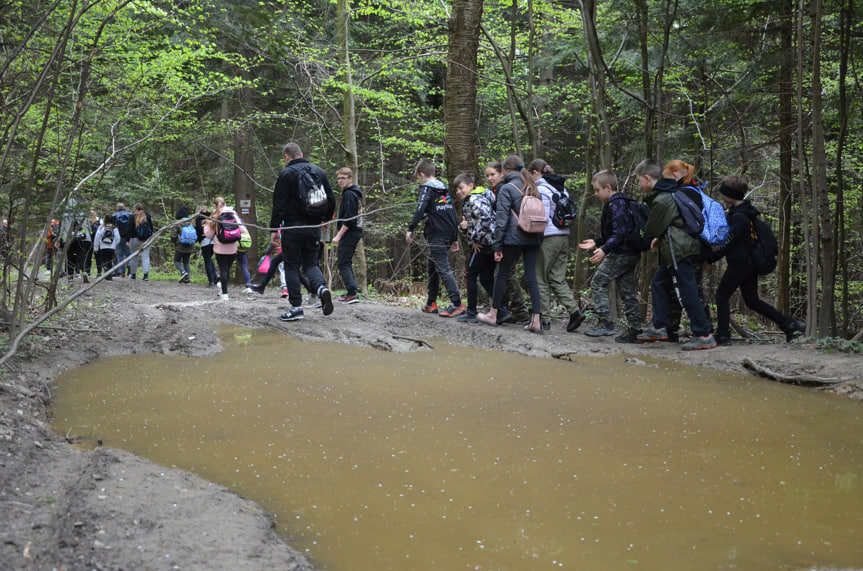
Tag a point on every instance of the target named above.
point(441, 231)
point(741, 271)
point(350, 231)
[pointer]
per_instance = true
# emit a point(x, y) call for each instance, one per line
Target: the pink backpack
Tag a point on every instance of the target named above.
point(531, 216)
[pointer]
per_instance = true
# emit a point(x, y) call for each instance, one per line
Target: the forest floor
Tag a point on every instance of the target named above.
point(62, 507)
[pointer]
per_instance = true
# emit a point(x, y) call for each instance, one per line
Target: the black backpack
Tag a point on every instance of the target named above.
point(765, 252)
point(143, 230)
point(637, 238)
point(314, 202)
point(565, 210)
point(693, 218)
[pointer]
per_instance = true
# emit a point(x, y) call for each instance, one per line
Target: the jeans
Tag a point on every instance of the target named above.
point(506, 267)
point(123, 252)
point(243, 264)
point(134, 244)
point(439, 271)
point(347, 247)
point(661, 287)
point(300, 247)
point(480, 270)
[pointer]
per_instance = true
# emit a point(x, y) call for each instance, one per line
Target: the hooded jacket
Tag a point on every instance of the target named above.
point(665, 215)
point(350, 208)
point(435, 207)
point(506, 231)
point(478, 210)
point(179, 247)
point(740, 239)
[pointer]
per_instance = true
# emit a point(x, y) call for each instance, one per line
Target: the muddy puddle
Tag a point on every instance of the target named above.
point(458, 458)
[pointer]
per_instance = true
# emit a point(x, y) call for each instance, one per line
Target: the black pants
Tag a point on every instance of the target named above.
point(225, 261)
point(300, 248)
point(347, 247)
point(743, 275)
point(505, 268)
point(480, 270)
point(209, 267)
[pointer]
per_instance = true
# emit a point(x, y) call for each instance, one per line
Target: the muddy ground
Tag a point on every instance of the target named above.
point(65, 508)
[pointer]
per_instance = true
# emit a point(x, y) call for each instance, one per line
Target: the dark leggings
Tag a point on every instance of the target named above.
point(743, 276)
point(209, 267)
point(510, 256)
point(225, 261)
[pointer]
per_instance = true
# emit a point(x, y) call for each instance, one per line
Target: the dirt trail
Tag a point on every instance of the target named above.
point(107, 509)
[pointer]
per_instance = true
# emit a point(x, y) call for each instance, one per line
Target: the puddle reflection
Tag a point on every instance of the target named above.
point(458, 458)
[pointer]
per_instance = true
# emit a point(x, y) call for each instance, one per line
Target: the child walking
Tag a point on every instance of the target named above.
point(477, 224)
point(616, 258)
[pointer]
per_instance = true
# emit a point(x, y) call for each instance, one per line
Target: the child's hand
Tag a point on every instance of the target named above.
point(597, 256)
point(654, 244)
point(587, 244)
point(463, 224)
point(454, 247)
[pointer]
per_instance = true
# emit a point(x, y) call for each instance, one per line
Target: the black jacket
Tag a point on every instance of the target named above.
point(287, 210)
point(435, 207)
point(350, 208)
point(506, 230)
point(740, 239)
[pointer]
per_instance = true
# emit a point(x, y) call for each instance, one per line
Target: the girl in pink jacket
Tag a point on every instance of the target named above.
point(225, 236)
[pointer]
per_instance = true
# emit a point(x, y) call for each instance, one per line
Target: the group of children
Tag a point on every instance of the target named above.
point(491, 224)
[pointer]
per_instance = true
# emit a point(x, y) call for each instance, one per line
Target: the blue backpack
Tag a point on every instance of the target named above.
point(188, 234)
point(715, 224)
point(123, 223)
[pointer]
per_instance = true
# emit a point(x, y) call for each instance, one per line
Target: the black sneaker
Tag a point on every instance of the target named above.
point(467, 317)
point(295, 314)
point(631, 336)
point(504, 316)
point(576, 319)
point(326, 300)
point(793, 330)
point(257, 288)
point(672, 338)
point(184, 277)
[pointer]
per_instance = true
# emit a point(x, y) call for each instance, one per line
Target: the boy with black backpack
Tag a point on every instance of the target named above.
point(742, 272)
point(617, 257)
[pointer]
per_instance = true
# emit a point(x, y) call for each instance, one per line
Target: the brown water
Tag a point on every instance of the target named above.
point(464, 459)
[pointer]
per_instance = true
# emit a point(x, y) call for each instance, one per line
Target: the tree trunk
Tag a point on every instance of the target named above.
point(460, 143)
point(349, 128)
point(820, 195)
point(786, 153)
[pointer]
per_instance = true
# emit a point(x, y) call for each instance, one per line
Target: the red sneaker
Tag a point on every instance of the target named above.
point(284, 293)
point(430, 308)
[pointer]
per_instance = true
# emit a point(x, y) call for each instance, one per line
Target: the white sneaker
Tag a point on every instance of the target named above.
point(248, 290)
point(225, 297)
point(218, 285)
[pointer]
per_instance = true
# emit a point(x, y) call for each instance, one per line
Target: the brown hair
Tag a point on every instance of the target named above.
point(605, 178)
point(345, 171)
point(461, 179)
point(649, 167)
point(293, 150)
point(540, 166)
point(495, 165)
point(425, 167)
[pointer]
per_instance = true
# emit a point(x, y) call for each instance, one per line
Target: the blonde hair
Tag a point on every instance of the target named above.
point(140, 214)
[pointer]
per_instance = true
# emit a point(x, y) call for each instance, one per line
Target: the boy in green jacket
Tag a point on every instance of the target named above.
point(678, 252)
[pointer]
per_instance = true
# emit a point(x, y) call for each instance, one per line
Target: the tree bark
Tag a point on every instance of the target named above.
point(460, 141)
